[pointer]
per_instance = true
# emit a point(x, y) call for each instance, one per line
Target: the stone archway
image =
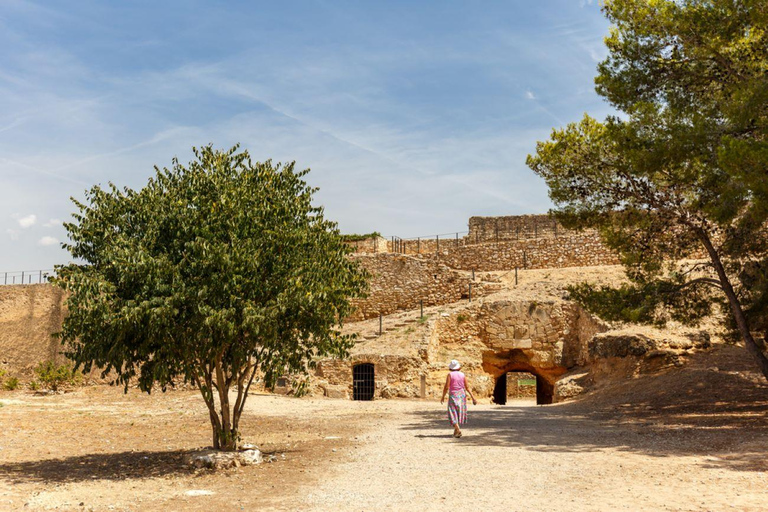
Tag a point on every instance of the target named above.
point(498, 364)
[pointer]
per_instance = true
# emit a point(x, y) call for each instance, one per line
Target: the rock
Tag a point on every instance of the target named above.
point(605, 345)
point(338, 391)
point(700, 339)
point(215, 459)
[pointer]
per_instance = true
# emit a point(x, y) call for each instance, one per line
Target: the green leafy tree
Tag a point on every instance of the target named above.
point(684, 172)
point(212, 273)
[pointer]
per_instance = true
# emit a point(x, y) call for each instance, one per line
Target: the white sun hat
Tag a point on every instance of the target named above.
point(454, 365)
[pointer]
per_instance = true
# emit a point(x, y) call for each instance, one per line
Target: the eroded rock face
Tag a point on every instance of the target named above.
point(607, 345)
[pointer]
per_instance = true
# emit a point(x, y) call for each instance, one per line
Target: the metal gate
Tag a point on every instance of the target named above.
point(363, 383)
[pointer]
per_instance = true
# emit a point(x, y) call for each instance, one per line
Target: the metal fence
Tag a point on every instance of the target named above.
point(434, 243)
point(25, 277)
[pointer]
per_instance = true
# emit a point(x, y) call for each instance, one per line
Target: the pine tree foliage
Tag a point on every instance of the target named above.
point(683, 171)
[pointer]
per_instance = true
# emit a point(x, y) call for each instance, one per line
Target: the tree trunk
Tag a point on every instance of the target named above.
point(228, 436)
point(733, 301)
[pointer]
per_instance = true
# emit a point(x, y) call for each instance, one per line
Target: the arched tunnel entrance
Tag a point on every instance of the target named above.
point(520, 385)
point(515, 366)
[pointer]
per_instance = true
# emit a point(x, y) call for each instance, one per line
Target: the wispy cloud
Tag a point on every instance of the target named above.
point(26, 221)
point(529, 95)
point(52, 223)
point(47, 240)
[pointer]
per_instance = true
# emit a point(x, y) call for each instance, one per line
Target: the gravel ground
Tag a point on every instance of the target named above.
point(693, 438)
point(524, 457)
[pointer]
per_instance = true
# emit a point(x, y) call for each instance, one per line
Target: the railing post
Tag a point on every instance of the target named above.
point(470, 292)
point(22, 277)
point(40, 280)
point(380, 324)
point(515, 276)
point(418, 245)
point(457, 239)
point(473, 274)
point(6, 278)
point(437, 244)
point(421, 308)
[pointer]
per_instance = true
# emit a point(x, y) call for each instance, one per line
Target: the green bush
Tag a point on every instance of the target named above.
point(33, 385)
point(359, 238)
point(11, 383)
point(53, 376)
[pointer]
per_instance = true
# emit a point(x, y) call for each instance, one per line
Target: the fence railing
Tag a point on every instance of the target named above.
point(25, 277)
point(435, 243)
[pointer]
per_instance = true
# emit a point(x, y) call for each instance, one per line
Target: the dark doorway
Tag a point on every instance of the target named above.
point(363, 383)
point(500, 390)
point(522, 387)
point(545, 392)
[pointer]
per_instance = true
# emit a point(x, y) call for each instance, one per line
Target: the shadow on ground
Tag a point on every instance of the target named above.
point(693, 411)
point(108, 466)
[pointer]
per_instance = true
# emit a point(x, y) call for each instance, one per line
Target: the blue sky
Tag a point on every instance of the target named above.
point(413, 116)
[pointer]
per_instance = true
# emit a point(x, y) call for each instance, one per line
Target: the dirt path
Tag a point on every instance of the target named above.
point(520, 457)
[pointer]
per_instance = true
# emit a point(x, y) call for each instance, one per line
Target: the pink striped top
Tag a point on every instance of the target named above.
point(457, 381)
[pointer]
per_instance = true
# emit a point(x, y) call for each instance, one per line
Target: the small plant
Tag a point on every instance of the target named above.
point(33, 385)
point(461, 318)
point(409, 330)
point(52, 376)
point(423, 319)
point(11, 383)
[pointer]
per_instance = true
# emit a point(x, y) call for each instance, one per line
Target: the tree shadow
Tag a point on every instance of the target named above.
point(99, 466)
point(723, 421)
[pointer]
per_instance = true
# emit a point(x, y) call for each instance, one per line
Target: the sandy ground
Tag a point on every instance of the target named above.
point(693, 438)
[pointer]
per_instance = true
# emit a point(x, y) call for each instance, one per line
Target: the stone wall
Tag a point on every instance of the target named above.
point(575, 249)
point(401, 282)
point(29, 316)
point(373, 245)
point(512, 227)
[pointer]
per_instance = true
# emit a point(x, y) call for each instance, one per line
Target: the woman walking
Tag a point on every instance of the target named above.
point(456, 382)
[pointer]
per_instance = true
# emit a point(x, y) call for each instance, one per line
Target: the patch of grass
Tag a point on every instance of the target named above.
point(53, 376)
point(11, 383)
point(461, 318)
point(33, 385)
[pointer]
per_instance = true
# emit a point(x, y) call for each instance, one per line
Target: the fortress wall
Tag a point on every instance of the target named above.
point(572, 250)
point(29, 316)
point(512, 227)
point(399, 282)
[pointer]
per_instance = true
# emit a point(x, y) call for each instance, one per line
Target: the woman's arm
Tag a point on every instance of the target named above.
point(445, 388)
point(466, 387)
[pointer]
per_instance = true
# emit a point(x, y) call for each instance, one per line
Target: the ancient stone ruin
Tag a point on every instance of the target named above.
point(431, 301)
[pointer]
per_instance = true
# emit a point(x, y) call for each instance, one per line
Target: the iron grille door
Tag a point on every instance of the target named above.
point(362, 382)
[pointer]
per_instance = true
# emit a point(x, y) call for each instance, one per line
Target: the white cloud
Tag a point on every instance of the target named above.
point(47, 240)
point(51, 223)
point(530, 95)
point(13, 234)
point(26, 222)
